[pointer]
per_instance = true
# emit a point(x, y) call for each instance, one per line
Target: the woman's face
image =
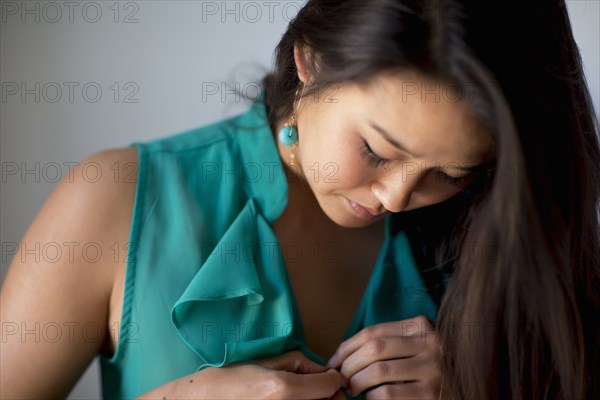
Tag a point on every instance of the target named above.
point(395, 145)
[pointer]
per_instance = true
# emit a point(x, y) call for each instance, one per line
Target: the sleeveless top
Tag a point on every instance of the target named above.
point(206, 282)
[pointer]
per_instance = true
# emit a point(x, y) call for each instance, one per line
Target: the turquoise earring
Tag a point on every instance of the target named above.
point(288, 135)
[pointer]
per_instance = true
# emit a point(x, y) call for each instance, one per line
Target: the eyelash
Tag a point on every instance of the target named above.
point(373, 158)
point(453, 181)
point(377, 161)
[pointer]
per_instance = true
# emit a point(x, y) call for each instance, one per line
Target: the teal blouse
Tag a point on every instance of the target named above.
point(206, 282)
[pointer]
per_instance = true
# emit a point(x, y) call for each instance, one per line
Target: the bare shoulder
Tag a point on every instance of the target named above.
point(56, 294)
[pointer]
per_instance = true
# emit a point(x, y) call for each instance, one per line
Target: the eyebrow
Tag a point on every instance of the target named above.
point(487, 166)
point(491, 165)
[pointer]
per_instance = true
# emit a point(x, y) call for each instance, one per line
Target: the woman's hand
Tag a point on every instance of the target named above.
point(288, 376)
point(396, 359)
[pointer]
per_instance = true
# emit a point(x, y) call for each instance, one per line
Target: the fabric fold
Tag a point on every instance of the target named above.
point(237, 306)
point(207, 283)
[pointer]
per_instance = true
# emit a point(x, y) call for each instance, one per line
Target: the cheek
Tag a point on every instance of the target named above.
point(428, 193)
point(353, 171)
point(335, 168)
point(331, 155)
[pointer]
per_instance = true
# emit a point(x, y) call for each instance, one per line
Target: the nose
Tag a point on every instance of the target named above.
point(394, 191)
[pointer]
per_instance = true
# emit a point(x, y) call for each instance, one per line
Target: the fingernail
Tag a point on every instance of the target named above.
point(332, 361)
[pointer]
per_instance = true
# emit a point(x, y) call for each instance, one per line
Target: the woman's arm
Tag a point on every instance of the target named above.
point(55, 298)
point(55, 309)
point(287, 376)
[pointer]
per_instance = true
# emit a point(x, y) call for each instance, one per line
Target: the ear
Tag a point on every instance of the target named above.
point(301, 57)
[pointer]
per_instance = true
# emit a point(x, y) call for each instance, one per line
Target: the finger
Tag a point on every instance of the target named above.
point(382, 372)
point(312, 386)
point(407, 390)
point(386, 348)
point(293, 361)
point(407, 327)
point(339, 395)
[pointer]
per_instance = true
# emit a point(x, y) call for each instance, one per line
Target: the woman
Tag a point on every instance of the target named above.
point(438, 160)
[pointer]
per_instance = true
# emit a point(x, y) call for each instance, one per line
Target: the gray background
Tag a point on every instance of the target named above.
point(168, 60)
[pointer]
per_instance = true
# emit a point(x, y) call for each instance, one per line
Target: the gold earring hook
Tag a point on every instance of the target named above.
point(297, 103)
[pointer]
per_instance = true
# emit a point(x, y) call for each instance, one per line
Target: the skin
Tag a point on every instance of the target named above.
point(83, 211)
point(74, 292)
point(440, 134)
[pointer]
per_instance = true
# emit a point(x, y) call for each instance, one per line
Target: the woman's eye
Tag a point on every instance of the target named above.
point(371, 157)
point(458, 182)
point(377, 161)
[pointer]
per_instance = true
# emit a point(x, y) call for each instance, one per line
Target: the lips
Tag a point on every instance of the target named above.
point(363, 211)
point(367, 209)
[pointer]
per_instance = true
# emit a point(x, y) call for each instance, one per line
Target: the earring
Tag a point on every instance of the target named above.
point(288, 135)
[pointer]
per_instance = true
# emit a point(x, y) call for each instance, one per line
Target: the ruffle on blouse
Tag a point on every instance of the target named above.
point(237, 306)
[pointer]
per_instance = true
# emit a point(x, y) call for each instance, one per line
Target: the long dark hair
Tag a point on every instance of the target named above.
point(518, 317)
